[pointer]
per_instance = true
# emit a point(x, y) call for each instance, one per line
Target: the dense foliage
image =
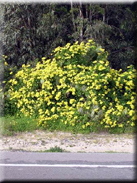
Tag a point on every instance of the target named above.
point(62, 92)
point(34, 30)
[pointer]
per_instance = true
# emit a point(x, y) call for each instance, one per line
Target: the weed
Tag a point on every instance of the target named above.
point(55, 149)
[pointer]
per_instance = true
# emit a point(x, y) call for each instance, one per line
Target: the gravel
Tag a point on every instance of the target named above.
point(44, 140)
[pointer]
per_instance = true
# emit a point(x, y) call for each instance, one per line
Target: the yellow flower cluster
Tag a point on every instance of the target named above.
point(79, 53)
point(75, 94)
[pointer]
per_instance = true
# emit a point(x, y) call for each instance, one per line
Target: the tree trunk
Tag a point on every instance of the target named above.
point(81, 23)
point(73, 20)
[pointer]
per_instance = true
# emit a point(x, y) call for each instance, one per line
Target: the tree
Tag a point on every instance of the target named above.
point(111, 26)
point(35, 33)
point(34, 30)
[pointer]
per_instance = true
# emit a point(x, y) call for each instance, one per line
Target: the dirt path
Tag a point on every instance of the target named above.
point(93, 142)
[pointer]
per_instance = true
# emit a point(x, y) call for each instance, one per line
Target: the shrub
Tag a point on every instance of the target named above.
point(83, 53)
point(61, 94)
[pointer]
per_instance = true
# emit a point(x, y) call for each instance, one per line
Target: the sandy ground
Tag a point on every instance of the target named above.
point(43, 140)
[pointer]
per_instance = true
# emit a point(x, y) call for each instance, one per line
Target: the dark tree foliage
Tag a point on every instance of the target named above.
point(32, 31)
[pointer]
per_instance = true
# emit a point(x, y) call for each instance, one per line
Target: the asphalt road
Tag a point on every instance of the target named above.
point(66, 166)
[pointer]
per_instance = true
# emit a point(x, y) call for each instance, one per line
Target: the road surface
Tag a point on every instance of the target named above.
point(66, 166)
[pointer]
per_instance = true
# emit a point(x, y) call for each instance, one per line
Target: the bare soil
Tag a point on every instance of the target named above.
point(44, 140)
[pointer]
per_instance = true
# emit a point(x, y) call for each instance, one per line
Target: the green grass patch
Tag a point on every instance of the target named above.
point(55, 149)
point(9, 125)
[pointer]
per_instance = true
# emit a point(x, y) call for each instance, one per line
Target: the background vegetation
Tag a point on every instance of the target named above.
point(32, 31)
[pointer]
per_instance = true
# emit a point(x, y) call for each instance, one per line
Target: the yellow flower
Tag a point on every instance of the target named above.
point(101, 49)
point(120, 125)
point(5, 63)
point(120, 107)
point(87, 107)
point(100, 102)
point(71, 101)
point(132, 106)
point(81, 99)
point(104, 107)
point(101, 68)
point(134, 117)
point(132, 124)
point(37, 94)
point(47, 112)
point(83, 126)
point(73, 91)
point(101, 61)
point(73, 124)
point(23, 65)
point(40, 111)
point(131, 112)
point(58, 96)
point(87, 124)
point(53, 109)
point(43, 58)
point(98, 87)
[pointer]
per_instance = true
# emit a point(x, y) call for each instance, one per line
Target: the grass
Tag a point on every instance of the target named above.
point(55, 149)
point(10, 125)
